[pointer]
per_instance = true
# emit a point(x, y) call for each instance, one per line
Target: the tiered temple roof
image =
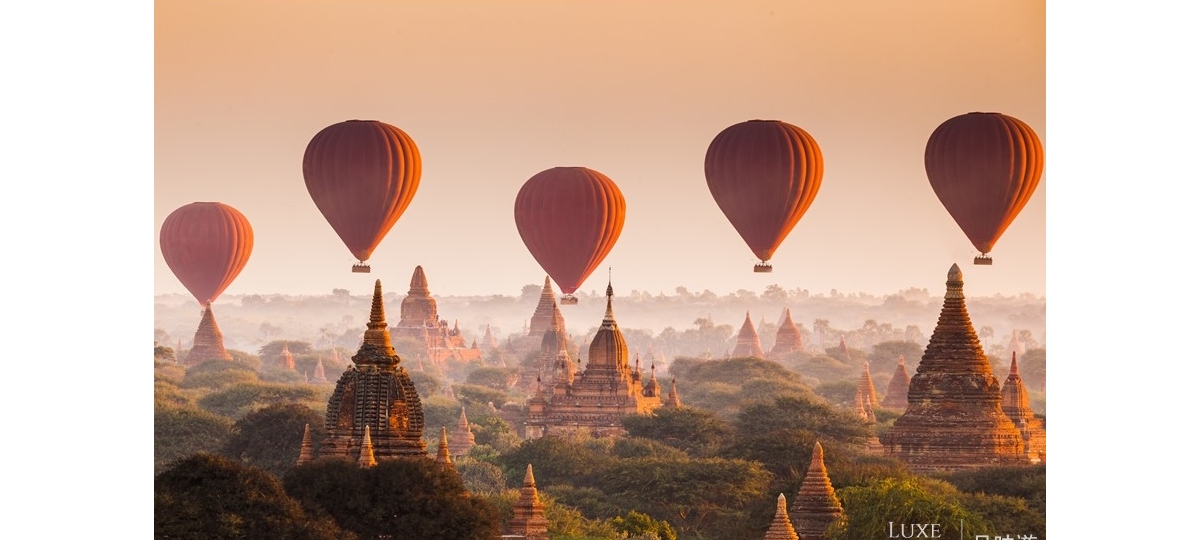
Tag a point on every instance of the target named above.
point(443, 453)
point(318, 375)
point(462, 439)
point(285, 360)
point(529, 521)
point(419, 320)
point(867, 387)
point(553, 359)
point(747, 341)
point(897, 390)
point(781, 526)
point(672, 400)
point(1014, 400)
point(208, 344)
point(600, 396)
point(489, 339)
point(954, 419)
point(306, 448)
point(787, 338)
point(546, 316)
point(377, 393)
point(816, 506)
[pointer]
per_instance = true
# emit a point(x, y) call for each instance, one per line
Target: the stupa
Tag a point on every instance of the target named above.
point(599, 397)
point(897, 390)
point(953, 420)
point(419, 321)
point(747, 341)
point(781, 526)
point(208, 343)
point(816, 506)
point(318, 375)
point(1014, 400)
point(366, 451)
point(552, 352)
point(462, 439)
point(285, 360)
point(529, 521)
point(546, 316)
point(672, 400)
point(306, 448)
point(443, 453)
point(867, 387)
point(375, 392)
point(787, 338)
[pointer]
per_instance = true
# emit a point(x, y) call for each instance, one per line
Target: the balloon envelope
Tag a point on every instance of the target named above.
point(569, 218)
point(206, 245)
point(763, 174)
point(362, 174)
point(984, 167)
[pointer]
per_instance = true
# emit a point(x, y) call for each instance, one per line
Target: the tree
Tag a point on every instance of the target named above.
point(870, 508)
point(183, 431)
point(217, 374)
point(986, 333)
point(885, 356)
point(163, 354)
point(698, 432)
point(1032, 366)
point(271, 350)
point(270, 438)
point(237, 400)
point(635, 523)
point(496, 378)
point(206, 496)
point(398, 498)
point(556, 460)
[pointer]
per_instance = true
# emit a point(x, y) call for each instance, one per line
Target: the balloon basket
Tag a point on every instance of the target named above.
point(983, 259)
point(361, 268)
point(762, 268)
point(569, 300)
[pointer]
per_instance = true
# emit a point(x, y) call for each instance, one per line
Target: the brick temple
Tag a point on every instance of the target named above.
point(208, 344)
point(419, 321)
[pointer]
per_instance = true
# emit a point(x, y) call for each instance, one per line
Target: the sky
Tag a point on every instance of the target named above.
point(495, 92)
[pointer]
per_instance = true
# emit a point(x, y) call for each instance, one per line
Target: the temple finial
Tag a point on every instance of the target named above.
point(377, 329)
point(1013, 368)
point(529, 476)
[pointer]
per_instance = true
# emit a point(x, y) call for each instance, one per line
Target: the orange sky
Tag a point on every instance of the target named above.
point(494, 92)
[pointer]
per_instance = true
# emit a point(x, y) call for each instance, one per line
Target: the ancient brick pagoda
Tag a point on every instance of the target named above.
point(552, 352)
point(672, 400)
point(443, 453)
point(781, 526)
point(897, 390)
point(954, 420)
point(375, 392)
point(787, 338)
point(816, 506)
point(285, 360)
point(208, 343)
point(462, 439)
point(1014, 401)
point(546, 316)
point(747, 341)
point(419, 321)
point(318, 374)
point(867, 387)
point(529, 521)
point(598, 398)
point(489, 340)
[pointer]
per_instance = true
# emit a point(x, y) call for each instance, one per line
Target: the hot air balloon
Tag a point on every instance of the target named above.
point(569, 218)
point(763, 174)
point(984, 167)
point(206, 245)
point(362, 174)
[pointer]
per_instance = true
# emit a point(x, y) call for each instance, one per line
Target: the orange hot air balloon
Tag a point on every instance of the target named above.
point(206, 245)
point(984, 167)
point(362, 174)
point(764, 174)
point(569, 218)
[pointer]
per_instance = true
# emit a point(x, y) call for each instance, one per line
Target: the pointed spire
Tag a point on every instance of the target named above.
point(366, 453)
point(377, 329)
point(418, 284)
point(306, 448)
point(867, 386)
point(781, 526)
point(1012, 368)
point(443, 452)
point(319, 370)
point(897, 390)
point(673, 400)
point(528, 519)
point(529, 482)
point(816, 505)
point(748, 344)
point(208, 343)
point(462, 440)
point(609, 318)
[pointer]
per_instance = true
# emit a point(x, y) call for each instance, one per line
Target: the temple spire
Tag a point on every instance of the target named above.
point(377, 329)
point(418, 284)
point(816, 505)
point(306, 448)
point(366, 454)
point(748, 344)
point(609, 318)
point(443, 452)
point(528, 519)
point(781, 526)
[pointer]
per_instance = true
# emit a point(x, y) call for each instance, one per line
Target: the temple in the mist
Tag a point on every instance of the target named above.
point(816, 506)
point(553, 345)
point(897, 390)
point(375, 407)
point(546, 316)
point(598, 398)
point(747, 341)
point(1014, 400)
point(286, 360)
point(787, 338)
point(954, 418)
point(419, 321)
point(208, 344)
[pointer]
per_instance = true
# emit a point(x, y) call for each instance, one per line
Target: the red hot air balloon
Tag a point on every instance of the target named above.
point(362, 174)
point(984, 167)
point(569, 218)
point(206, 245)
point(763, 174)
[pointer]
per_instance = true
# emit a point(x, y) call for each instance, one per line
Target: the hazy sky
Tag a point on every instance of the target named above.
point(495, 92)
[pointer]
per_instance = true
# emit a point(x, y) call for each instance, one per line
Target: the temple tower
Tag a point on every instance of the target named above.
point(319, 370)
point(867, 387)
point(366, 451)
point(443, 453)
point(954, 419)
point(781, 526)
point(528, 520)
point(462, 440)
point(285, 360)
point(787, 338)
point(672, 401)
point(375, 392)
point(747, 341)
point(547, 314)
point(897, 390)
point(208, 343)
point(1014, 400)
point(306, 448)
point(816, 506)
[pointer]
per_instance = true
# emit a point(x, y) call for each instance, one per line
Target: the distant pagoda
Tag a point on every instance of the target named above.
point(954, 420)
point(208, 344)
point(816, 506)
point(672, 400)
point(285, 360)
point(529, 521)
point(781, 526)
point(419, 321)
point(376, 393)
point(1014, 400)
point(897, 390)
point(443, 453)
point(551, 354)
point(747, 341)
point(462, 439)
point(787, 338)
point(318, 375)
point(867, 387)
point(546, 316)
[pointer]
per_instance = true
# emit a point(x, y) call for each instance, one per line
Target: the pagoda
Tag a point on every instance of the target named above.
point(672, 400)
point(1014, 400)
point(285, 360)
point(318, 375)
point(598, 398)
point(867, 387)
point(208, 344)
point(551, 354)
point(489, 340)
point(781, 526)
point(462, 439)
point(529, 521)
point(787, 338)
point(897, 390)
point(375, 393)
point(443, 453)
point(747, 341)
point(546, 316)
point(954, 420)
point(816, 506)
point(419, 321)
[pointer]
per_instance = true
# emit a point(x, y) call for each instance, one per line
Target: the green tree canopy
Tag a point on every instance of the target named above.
point(217, 374)
point(869, 509)
point(237, 400)
point(270, 438)
point(698, 432)
point(183, 431)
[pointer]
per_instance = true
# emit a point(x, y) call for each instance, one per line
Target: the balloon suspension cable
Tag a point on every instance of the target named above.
point(983, 258)
point(569, 300)
point(763, 267)
point(361, 268)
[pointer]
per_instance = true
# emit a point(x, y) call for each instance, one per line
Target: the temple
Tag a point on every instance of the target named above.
point(781, 526)
point(546, 316)
point(672, 400)
point(1014, 400)
point(747, 341)
point(443, 453)
point(816, 506)
point(552, 355)
point(462, 439)
point(598, 398)
point(208, 344)
point(318, 375)
point(419, 321)
point(376, 394)
point(954, 420)
point(867, 387)
point(529, 521)
point(285, 360)
point(787, 338)
point(897, 390)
